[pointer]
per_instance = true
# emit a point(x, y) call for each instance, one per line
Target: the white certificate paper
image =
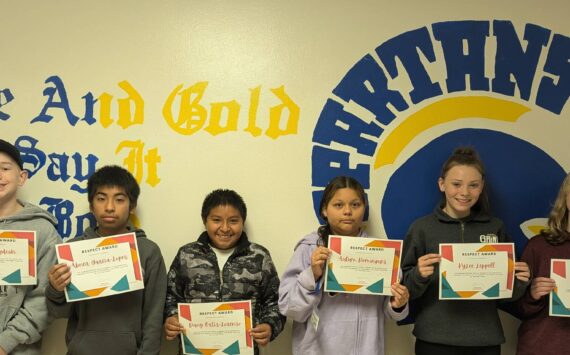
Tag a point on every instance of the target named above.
point(362, 265)
point(101, 267)
point(477, 271)
point(17, 257)
point(216, 328)
point(559, 304)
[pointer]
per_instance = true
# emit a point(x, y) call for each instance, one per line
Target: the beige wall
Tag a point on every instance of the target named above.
point(241, 49)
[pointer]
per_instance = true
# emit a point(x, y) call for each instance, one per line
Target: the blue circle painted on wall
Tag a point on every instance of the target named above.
point(522, 181)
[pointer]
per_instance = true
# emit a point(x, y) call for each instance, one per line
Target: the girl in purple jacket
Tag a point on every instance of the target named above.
point(341, 323)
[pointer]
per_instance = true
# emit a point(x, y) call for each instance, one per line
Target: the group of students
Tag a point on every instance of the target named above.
point(224, 265)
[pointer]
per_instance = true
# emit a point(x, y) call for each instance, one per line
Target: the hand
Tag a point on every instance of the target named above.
point(400, 296)
point(2, 351)
point(318, 260)
point(522, 271)
point(425, 264)
point(541, 286)
point(261, 334)
point(172, 327)
point(59, 277)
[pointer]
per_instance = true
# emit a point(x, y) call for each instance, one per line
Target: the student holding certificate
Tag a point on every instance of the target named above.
point(335, 323)
point(126, 323)
point(455, 326)
point(23, 313)
point(540, 333)
point(223, 265)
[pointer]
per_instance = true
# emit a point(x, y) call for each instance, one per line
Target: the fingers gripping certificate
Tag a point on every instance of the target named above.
point(216, 328)
point(559, 304)
point(479, 271)
point(362, 265)
point(17, 257)
point(101, 267)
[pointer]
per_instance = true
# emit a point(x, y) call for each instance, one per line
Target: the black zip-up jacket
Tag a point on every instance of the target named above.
point(452, 322)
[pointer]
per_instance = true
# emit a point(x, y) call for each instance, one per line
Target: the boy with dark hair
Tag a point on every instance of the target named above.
point(223, 265)
point(23, 312)
point(127, 323)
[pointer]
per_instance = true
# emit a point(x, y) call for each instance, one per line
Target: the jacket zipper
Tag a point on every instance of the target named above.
point(462, 232)
point(220, 271)
point(222, 275)
point(221, 282)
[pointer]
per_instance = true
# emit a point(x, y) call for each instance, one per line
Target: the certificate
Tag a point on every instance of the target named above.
point(560, 297)
point(362, 265)
point(17, 257)
point(101, 267)
point(216, 328)
point(476, 271)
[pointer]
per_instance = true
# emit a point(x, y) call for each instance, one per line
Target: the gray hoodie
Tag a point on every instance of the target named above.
point(23, 311)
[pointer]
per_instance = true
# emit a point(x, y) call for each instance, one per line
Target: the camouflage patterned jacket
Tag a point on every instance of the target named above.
point(249, 274)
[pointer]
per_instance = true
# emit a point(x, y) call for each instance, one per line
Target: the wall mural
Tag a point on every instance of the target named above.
point(184, 113)
point(418, 84)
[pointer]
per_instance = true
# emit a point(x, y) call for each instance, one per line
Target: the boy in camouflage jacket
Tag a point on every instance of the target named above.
point(223, 265)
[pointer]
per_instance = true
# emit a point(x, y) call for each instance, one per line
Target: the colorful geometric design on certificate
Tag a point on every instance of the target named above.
point(126, 238)
point(447, 252)
point(446, 289)
point(189, 348)
point(30, 236)
point(246, 307)
point(95, 291)
point(558, 306)
point(376, 287)
point(32, 258)
point(64, 251)
point(185, 312)
point(121, 285)
point(335, 244)
point(448, 292)
point(75, 294)
point(559, 268)
point(332, 282)
point(232, 349)
point(397, 246)
point(493, 291)
point(334, 285)
point(14, 278)
point(509, 248)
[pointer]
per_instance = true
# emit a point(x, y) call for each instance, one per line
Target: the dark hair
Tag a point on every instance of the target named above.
point(223, 197)
point(114, 176)
point(468, 156)
point(557, 231)
point(339, 182)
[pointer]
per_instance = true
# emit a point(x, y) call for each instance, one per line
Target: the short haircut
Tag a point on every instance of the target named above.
point(114, 176)
point(223, 197)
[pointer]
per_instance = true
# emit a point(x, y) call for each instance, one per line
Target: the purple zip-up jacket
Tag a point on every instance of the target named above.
point(349, 324)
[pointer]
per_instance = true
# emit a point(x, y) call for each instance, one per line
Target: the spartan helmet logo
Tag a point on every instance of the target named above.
point(522, 182)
